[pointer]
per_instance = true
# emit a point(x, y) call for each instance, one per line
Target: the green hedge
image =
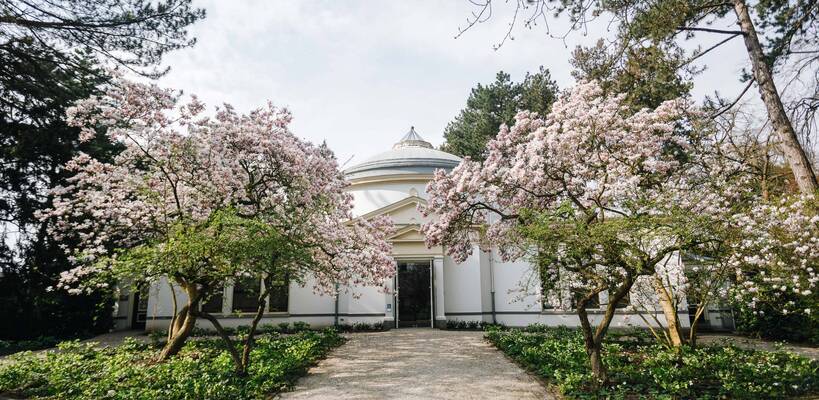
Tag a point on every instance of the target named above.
point(202, 370)
point(639, 370)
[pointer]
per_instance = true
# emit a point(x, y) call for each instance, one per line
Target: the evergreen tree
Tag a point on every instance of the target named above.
point(53, 53)
point(647, 75)
point(490, 106)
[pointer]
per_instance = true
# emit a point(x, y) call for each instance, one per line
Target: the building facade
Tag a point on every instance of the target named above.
point(429, 288)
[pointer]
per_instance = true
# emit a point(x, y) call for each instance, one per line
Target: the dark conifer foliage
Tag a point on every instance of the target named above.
point(53, 53)
point(490, 106)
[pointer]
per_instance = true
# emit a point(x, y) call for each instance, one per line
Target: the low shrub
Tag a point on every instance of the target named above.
point(639, 370)
point(361, 327)
point(202, 370)
point(456, 324)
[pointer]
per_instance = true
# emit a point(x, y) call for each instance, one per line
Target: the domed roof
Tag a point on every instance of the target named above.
point(412, 155)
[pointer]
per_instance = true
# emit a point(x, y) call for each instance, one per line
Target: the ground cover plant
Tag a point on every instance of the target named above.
point(202, 369)
point(641, 368)
point(40, 342)
point(280, 328)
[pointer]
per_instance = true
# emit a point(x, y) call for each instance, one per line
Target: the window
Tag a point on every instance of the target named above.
point(213, 303)
point(546, 286)
point(624, 302)
point(545, 303)
point(279, 295)
point(246, 293)
point(592, 304)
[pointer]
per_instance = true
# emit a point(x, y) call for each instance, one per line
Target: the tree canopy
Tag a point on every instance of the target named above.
point(53, 53)
point(777, 34)
point(647, 76)
point(598, 195)
point(201, 200)
point(134, 34)
point(490, 106)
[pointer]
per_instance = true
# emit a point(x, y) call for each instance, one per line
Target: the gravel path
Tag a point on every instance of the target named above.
point(417, 364)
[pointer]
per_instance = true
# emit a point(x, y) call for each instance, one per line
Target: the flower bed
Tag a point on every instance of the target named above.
point(640, 370)
point(202, 370)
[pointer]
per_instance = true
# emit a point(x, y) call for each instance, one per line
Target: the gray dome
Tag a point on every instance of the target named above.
point(410, 156)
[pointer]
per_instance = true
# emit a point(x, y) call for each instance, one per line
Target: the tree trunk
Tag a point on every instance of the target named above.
point(593, 347)
point(183, 324)
point(172, 325)
point(596, 360)
point(692, 333)
point(672, 318)
point(793, 151)
point(248, 346)
point(229, 345)
point(593, 340)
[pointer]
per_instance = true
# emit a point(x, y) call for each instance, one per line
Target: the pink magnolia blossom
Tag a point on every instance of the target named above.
point(589, 151)
point(776, 253)
point(660, 169)
point(179, 165)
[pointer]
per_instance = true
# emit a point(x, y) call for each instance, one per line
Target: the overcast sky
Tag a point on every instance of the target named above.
point(359, 74)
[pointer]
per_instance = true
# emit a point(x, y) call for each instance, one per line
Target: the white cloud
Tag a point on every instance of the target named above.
point(358, 74)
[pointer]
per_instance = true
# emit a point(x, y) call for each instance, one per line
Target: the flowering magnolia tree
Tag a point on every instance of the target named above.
point(775, 257)
point(201, 200)
point(597, 195)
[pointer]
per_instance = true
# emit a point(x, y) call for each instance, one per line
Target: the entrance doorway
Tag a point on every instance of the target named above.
point(139, 310)
point(414, 284)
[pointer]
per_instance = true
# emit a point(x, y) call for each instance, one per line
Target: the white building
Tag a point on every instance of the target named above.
point(429, 289)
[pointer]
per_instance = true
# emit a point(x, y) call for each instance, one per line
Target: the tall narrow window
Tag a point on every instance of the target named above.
point(546, 286)
point(246, 293)
point(279, 295)
point(595, 302)
point(213, 303)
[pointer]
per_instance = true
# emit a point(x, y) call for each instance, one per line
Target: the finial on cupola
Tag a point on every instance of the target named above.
point(412, 139)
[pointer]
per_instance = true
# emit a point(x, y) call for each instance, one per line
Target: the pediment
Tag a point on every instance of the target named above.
point(407, 239)
point(409, 233)
point(403, 212)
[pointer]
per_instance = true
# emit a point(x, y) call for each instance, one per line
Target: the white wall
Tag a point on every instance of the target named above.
point(465, 292)
point(462, 288)
point(372, 196)
point(303, 305)
point(517, 301)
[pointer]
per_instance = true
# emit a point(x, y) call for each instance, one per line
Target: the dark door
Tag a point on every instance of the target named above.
point(140, 308)
point(414, 294)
